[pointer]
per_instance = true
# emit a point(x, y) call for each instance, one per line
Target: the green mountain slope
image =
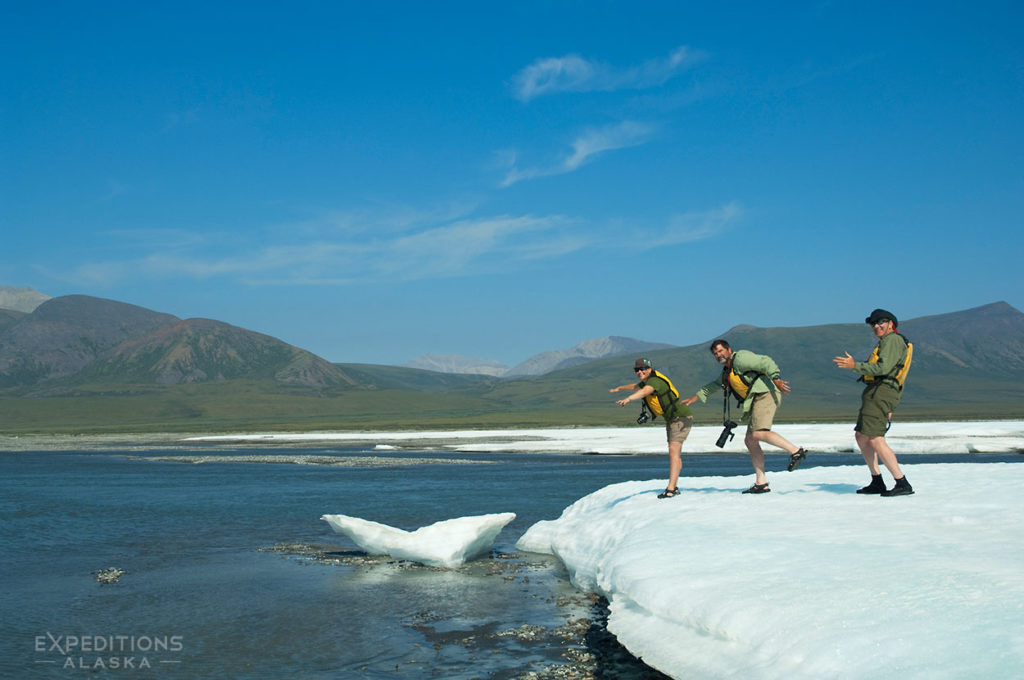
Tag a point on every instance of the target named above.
point(955, 374)
point(201, 375)
point(75, 342)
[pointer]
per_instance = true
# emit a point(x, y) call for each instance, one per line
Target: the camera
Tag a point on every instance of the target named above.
point(643, 417)
point(727, 434)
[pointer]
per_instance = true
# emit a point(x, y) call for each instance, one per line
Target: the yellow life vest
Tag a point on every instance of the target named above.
point(654, 401)
point(904, 367)
point(739, 384)
point(738, 387)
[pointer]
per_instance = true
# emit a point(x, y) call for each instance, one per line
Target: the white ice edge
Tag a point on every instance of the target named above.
point(1002, 436)
point(811, 580)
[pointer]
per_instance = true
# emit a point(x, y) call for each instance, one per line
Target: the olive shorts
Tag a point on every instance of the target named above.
point(678, 429)
point(876, 403)
point(762, 411)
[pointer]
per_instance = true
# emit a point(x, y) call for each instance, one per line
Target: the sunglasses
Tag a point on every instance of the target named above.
point(641, 370)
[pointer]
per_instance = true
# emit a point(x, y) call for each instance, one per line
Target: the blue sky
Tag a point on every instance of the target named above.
point(378, 181)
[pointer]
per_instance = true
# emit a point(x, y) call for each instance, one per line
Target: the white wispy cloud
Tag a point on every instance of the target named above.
point(696, 226)
point(619, 136)
point(421, 251)
point(588, 144)
point(378, 218)
point(456, 248)
point(573, 73)
point(467, 243)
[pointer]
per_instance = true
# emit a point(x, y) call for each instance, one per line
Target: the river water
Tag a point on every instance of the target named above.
point(224, 569)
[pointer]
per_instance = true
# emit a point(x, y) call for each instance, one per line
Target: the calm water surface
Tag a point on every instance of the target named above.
point(199, 580)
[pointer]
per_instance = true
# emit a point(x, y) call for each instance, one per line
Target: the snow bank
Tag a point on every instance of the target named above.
point(449, 543)
point(811, 580)
point(939, 437)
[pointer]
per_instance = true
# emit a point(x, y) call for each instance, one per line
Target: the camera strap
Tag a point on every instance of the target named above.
point(726, 406)
point(645, 413)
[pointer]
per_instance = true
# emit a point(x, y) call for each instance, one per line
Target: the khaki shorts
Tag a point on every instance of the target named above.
point(762, 411)
point(877, 402)
point(678, 429)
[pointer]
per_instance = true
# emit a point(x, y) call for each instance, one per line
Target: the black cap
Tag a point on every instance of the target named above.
point(880, 315)
point(641, 363)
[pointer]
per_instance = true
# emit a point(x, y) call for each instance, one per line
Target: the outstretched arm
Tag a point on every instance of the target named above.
point(636, 396)
point(627, 386)
point(704, 392)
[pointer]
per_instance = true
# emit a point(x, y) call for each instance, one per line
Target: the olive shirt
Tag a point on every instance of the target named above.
point(745, 361)
point(892, 350)
point(676, 409)
point(881, 397)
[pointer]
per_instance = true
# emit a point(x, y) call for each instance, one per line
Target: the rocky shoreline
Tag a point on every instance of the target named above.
point(581, 648)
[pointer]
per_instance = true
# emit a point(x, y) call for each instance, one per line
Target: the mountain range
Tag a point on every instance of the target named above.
point(539, 364)
point(78, 362)
point(77, 339)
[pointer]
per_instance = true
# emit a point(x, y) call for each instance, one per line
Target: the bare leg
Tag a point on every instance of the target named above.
point(756, 455)
point(776, 440)
point(888, 456)
point(675, 463)
point(867, 449)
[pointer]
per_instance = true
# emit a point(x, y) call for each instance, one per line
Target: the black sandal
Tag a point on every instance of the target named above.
point(759, 488)
point(668, 493)
point(796, 459)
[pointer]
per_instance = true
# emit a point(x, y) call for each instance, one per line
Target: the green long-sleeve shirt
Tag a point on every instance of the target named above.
point(745, 361)
point(892, 349)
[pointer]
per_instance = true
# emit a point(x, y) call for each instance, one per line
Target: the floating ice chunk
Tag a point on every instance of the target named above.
point(449, 543)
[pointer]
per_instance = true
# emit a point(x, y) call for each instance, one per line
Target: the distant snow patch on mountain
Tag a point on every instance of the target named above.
point(588, 350)
point(539, 364)
point(21, 299)
point(451, 363)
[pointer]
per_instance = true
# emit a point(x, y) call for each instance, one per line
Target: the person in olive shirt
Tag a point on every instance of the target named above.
point(753, 378)
point(878, 401)
point(662, 400)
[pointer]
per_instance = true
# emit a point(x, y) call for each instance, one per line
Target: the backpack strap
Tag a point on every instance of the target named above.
point(891, 377)
point(727, 387)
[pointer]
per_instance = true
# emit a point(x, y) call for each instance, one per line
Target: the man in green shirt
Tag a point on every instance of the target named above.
point(879, 399)
point(753, 379)
point(662, 400)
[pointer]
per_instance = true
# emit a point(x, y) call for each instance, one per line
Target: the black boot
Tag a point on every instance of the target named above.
point(902, 488)
point(876, 485)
